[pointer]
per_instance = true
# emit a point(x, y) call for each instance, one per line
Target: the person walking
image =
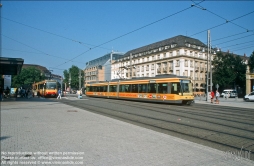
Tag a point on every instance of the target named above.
point(217, 95)
point(212, 96)
point(59, 94)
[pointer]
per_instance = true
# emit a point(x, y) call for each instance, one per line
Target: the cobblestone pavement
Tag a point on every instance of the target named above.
point(33, 129)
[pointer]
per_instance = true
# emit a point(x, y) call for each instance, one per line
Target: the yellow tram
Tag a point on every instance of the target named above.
point(46, 88)
point(162, 88)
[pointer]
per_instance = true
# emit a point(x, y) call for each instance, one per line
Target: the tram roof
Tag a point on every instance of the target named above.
point(143, 78)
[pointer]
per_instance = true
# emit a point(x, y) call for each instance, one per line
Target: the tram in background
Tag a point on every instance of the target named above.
point(162, 88)
point(46, 88)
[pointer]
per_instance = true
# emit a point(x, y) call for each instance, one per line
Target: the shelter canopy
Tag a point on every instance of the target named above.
point(10, 66)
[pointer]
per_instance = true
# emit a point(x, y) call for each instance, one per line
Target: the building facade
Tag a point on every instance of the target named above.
point(100, 69)
point(180, 55)
point(249, 81)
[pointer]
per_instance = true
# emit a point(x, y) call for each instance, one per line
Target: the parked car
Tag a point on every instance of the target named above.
point(249, 97)
point(228, 93)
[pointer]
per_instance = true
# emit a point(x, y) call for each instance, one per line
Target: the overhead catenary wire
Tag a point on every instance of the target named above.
point(36, 48)
point(130, 32)
point(73, 40)
point(200, 7)
point(243, 48)
point(222, 23)
point(234, 39)
point(231, 35)
point(238, 44)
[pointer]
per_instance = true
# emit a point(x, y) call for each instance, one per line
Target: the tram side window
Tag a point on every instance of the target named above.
point(40, 86)
point(105, 88)
point(101, 88)
point(122, 88)
point(97, 89)
point(125, 88)
point(128, 88)
point(134, 88)
point(162, 88)
point(88, 89)
point(93, 89)
point(152, 87)
point(142, 88)
point(175, 88)
point(112, 88)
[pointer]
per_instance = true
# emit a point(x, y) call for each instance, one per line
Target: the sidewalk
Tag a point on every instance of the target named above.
point(45, 131)
point(232, 102)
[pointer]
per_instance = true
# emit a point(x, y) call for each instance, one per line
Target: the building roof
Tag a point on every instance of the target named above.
point(103, 59)
point(174, 42)
point(41, 68)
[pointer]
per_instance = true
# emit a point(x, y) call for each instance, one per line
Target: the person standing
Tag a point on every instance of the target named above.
point(217, 94)
point(59, 94)
point(212, 96)
point(1, 93)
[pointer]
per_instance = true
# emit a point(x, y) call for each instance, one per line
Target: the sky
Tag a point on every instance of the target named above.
point(59, 34)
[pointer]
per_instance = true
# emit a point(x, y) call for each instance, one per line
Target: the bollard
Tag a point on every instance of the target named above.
point(236, 98)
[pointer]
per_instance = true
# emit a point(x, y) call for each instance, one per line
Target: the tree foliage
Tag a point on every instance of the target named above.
point(27, 76)
point(74, 71)
point(251, 62)
point(229, 71)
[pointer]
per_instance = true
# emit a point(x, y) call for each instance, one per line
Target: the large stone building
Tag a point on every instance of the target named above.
point(180, 55)
point(100, 69)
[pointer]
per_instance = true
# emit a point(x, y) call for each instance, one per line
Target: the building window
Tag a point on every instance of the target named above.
point(186, 63)
point(177, 63)
point(177, 72)
point(152, 67)
point(147, 67)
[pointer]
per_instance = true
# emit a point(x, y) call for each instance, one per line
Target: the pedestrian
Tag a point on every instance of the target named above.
point(59, 94)
point(212, 96)
point(1, 93)
point(217, 94)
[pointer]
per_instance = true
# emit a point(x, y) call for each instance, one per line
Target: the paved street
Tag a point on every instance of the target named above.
point(40, 125)
point(234, 102)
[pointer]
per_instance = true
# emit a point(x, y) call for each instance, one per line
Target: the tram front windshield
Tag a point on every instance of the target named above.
point(51, 85)
point(186, 87)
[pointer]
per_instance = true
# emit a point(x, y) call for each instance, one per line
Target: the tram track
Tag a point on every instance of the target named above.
point(182, 109)
point(223, 137)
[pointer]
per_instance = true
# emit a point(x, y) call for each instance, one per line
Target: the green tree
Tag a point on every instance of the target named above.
point(229, 71)
point(74, 71)
point(27, 76)
point(251, 62)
